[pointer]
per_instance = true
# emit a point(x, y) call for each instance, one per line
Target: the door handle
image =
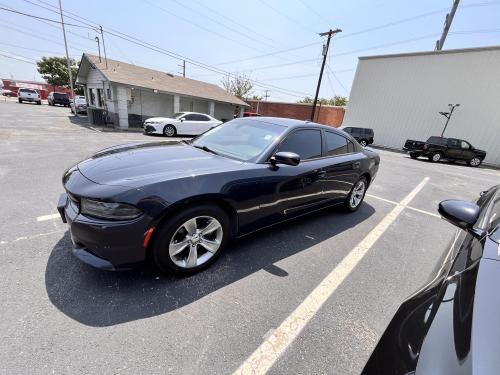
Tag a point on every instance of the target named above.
point(356, 165)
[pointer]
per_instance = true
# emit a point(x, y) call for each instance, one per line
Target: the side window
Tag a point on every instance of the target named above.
point(202, 118)
point(305, 143)
point(335, 144)
point(465, 145)
point(453, 142)
point(191, 117)
point(350, 146)
point(92, 96)
point(348, 130)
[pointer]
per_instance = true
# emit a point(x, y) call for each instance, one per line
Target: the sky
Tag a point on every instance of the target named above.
point(246, 37)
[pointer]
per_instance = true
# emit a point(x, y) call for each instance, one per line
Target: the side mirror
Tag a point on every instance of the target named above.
point(182, 119)
point(284, 157)
point(461, 214)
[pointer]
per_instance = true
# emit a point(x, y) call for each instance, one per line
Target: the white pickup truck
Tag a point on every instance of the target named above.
point(28, 95)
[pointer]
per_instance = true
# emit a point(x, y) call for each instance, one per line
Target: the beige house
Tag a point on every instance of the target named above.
point(125, 95)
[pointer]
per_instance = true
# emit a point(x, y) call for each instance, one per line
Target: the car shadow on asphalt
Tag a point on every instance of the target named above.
point(100, 298)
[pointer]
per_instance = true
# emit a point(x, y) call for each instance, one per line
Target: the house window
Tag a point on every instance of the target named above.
point(100, 100)
point(108, 93)
point(92, 96)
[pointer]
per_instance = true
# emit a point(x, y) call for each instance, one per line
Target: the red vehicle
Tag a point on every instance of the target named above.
point(250, 114)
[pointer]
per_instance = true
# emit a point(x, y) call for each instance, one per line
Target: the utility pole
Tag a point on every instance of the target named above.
point(103, 46)
point(448, 115)
point(328, 33)
point(266, 95)
point(447, 23)
point(98, 47)
point(67, 56)
point(183, 66)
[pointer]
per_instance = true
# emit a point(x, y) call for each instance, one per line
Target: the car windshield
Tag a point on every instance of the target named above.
point(178, 114)
point(241, 139)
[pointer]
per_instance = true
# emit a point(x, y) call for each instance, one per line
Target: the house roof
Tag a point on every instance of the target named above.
point(133, 75)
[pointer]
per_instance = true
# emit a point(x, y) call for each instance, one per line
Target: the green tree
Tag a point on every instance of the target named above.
point(305, 100)
point(238, 85)
point(54, 70)
point(339, 101)
point(336, 101)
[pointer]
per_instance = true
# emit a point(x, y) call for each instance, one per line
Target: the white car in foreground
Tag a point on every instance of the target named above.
point(189, 123)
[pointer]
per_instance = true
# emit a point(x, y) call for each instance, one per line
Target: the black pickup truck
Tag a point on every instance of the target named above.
point(451, 149)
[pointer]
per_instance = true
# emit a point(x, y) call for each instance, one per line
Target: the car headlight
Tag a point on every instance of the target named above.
point(109, 211)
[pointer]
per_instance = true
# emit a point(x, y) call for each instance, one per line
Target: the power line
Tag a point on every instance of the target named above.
point(40, 18)
point(18, 57)
point(218, 22)
point(284, 15)
point(177, 56)
point(337, 79)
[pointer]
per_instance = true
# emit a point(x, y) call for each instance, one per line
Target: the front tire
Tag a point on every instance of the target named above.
point(356, 196)
point(19, 100)
point(414, 155)
point(475, 162)
point(436, 157)
point(191, 240)
point(363, 142)
point(169, 130)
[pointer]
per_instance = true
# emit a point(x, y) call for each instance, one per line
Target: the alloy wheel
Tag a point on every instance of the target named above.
point(436, 157)
point(169, 131)
point(363, 143)
point(475, 162)
point(357, 194)
point(195, 241)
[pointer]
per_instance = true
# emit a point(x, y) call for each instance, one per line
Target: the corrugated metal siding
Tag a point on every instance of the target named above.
point(401, 97)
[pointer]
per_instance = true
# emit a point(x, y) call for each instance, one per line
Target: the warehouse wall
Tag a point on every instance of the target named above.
point(400, 97)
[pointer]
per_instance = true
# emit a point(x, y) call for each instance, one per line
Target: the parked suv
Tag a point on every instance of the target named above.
point(452, 149)
point(363, 135)
point(60, 98)
point(28, 95)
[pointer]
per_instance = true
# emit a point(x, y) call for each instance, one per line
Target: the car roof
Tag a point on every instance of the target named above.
point(288, 122)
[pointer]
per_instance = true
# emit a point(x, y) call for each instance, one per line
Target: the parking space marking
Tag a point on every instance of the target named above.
point(33, 236)
point(48, 217)
point(271, 349)
point(408, 207)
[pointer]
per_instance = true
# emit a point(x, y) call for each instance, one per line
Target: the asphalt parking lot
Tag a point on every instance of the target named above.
point(61, 316)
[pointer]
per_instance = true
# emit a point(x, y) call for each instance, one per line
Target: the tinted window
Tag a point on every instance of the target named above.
point(191, 117)
point(453, 143)
point(335, 144)
point(347, 130)
point(60, 96)
point(28, 91)
point(437, 140)
point(201, 118)
point(305, 143)
point(465, 145)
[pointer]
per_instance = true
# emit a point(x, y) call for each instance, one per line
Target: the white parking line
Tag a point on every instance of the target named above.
point(48, 217)
point(408, 207)
point(270, 350)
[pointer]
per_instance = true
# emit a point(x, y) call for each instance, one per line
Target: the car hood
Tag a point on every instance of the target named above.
point(139, 164)
point(160, 119)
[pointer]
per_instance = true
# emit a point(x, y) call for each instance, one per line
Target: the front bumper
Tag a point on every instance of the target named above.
point(106, 245)
point(150, 129)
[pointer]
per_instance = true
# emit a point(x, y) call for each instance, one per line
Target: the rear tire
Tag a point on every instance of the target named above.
point(39, 103)
point(475, 162)
point(436, 157)
point(187, 227)
point(169, 130)
point(356, 195)
point(363, 142)
point(19, 100)
point(413, 155)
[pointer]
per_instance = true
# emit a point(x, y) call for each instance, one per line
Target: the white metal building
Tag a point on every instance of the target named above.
point(400, 97)
point(125, 95)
